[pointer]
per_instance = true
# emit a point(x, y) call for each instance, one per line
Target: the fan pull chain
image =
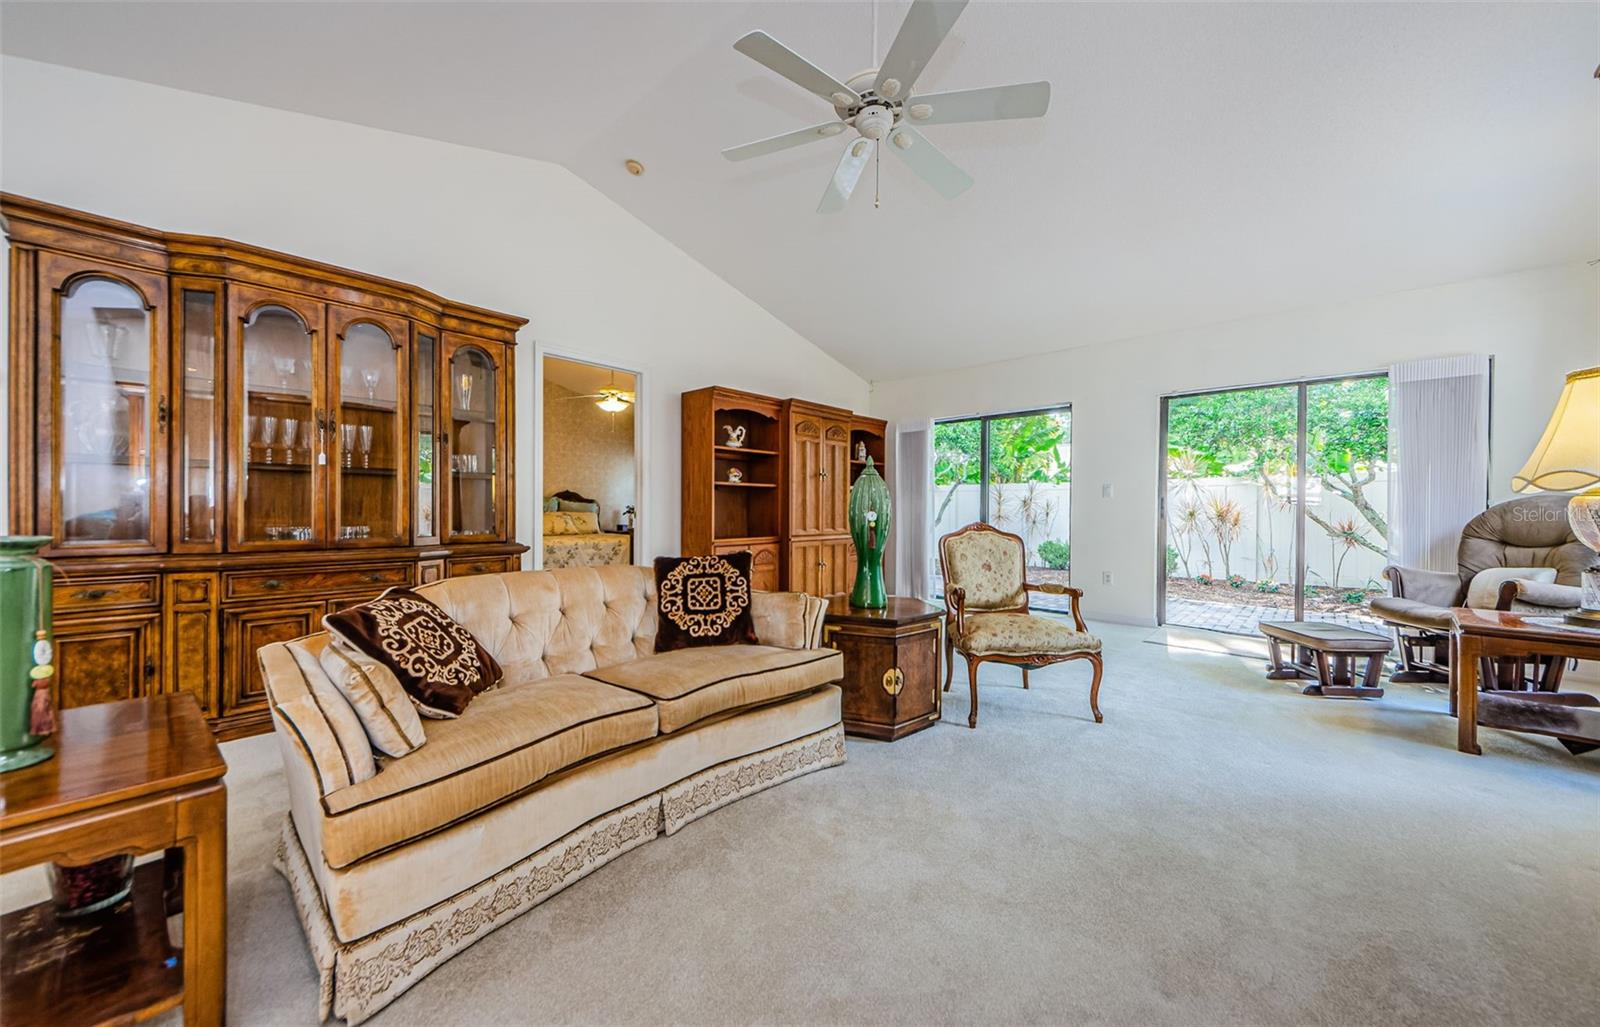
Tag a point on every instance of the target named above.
point(877, 165)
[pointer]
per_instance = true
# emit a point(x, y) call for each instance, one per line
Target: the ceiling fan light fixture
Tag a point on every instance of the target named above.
point(920, 112)
point(612, 401)
point(903, 140)
point(831, 130)
point(889, 88)
point(842, 99)
point(859, 148)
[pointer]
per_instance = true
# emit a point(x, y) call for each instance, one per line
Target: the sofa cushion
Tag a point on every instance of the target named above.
point(388, 715)
point(507, 741)
point(689, 685)
point(703, 600)
point(437, 661)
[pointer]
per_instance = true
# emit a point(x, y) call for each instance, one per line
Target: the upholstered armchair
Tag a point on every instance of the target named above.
point(986, 612)
point(1531, 531)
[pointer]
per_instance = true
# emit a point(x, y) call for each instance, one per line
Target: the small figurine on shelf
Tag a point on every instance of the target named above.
point(736, 433)
point(861, 451)
point(627, 518)
point(735, 475)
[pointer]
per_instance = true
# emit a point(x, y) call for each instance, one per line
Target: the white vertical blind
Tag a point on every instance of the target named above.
point(1439, 456)
point(913, 508)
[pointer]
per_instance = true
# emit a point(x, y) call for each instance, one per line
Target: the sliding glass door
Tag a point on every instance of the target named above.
point(1013, 471)
point(1273, 503)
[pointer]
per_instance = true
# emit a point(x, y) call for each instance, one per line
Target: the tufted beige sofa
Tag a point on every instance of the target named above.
point(593, 744)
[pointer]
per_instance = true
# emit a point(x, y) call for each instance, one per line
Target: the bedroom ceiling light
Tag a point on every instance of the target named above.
point(612, 401)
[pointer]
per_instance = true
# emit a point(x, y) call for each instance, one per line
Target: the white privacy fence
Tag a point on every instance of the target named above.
point(1263, 549)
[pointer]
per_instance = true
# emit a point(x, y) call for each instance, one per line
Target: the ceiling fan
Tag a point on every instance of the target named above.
point(879, 105)
point(610, 399)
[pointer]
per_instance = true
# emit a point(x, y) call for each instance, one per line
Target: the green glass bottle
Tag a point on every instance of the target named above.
point(24, 601)
point(869, 529)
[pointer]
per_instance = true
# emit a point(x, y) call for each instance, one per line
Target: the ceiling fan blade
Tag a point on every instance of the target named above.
point(762, 147)
point(845, 176)
point(763, 49)
point(926, 25)
point(996, 103)
point(930, 164)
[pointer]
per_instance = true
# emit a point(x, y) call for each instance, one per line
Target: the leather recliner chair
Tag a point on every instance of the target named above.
point(1530, 531)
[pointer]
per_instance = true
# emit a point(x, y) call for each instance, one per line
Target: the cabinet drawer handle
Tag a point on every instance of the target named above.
point(272, 583)
point(149, 667)
point(91, 594)
point(375, 576)
point(162, 414)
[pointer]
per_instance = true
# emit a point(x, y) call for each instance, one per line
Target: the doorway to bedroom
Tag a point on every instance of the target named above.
point(590, 464)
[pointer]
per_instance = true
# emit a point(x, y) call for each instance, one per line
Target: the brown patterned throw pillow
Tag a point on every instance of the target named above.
point(437, 661)
point(703, 600)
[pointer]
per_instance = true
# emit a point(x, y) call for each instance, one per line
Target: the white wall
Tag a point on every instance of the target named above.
point(1537, 324)
point(510, 234)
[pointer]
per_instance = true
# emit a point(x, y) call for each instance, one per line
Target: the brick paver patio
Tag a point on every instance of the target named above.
point(1243, 619)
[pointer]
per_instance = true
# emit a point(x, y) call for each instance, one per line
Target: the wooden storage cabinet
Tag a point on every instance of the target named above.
point(107, 657)
point(480, 565)
point(765, 563)
point(224, 442)
point(772, 476)
point(247, 629)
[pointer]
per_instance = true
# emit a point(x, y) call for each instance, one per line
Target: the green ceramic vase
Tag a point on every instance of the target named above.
point(869, 529)
point(24, 592)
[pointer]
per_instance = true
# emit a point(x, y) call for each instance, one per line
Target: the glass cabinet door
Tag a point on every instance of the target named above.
point(278, 442)
point(425, 390)
point(106, 374)
point(197, 423)
point(368, 438)
point(474, 393)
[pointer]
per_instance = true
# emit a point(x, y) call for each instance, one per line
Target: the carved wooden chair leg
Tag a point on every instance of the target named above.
point(949, 659)
point(1094, 689)
point(972, 676)
point(1024, 677)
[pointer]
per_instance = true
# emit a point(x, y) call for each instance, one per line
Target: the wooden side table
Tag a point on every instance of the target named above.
point(138, 776)
point(1491, 633)
point(891, 665)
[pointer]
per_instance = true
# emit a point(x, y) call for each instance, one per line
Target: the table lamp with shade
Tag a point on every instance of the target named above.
point(1567, 459)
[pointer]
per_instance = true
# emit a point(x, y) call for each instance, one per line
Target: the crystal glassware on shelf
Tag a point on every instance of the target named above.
point(364, 436)
point(288, 437)
point(269, 431)
point(369, 378)
point(285, 367)
point(464, 390)
point(347, 443)
point(252, 426)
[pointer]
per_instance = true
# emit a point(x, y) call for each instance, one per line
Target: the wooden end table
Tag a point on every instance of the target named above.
point(891, 665)
point(1492, 633)
point(135, 777)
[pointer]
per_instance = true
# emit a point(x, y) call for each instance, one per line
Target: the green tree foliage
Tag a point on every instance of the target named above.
point(1031, 448)
point(1251, 433)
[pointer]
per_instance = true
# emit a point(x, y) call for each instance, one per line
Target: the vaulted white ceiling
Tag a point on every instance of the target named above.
point(1199, 162)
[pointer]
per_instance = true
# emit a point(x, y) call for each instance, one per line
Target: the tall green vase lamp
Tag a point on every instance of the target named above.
point(26, 653)
point(1567, 459)
point(869, 529)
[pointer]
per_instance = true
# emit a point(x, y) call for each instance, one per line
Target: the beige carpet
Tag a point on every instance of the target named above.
point(1222, 850)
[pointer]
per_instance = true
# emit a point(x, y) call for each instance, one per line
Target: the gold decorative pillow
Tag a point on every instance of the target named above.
point(572, 522)
point(438, 662)
point(703, 600)
point(387, 713)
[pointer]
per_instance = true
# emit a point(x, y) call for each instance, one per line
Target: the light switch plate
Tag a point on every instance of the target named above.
point(1106, 490)
point(1105, 577)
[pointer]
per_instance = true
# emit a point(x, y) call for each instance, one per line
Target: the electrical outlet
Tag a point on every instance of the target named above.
point(1105, 577)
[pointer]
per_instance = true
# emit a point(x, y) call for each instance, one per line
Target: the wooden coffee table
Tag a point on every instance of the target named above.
point(133, 777)
point(1327, 652)
point(1491, 633)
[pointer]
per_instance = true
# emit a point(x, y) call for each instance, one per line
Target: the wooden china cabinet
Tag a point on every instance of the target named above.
point(225, 443)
